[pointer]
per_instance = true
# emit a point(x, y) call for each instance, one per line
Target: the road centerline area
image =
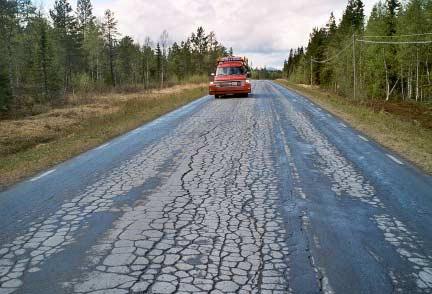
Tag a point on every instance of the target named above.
point(241, 195)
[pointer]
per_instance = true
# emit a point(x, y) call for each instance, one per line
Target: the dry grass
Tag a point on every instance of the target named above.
point(35, 143)
point(402, 127)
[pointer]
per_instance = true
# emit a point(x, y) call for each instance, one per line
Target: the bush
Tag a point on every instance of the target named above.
point(5, 93)
point(195, 79)
point(83, 83)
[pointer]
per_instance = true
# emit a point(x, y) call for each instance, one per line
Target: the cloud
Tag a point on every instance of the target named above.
point(262, 30)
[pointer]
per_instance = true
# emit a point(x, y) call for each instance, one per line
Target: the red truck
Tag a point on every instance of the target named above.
point(231, 78)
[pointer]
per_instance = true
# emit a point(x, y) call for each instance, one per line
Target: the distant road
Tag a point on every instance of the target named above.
point(267, 194)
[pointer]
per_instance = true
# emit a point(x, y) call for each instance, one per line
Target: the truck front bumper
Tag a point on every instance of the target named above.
point(245, 89)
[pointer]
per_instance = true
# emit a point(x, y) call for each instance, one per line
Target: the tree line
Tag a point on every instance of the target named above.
point(266, 74)
point(47, 56)
point(387, 56)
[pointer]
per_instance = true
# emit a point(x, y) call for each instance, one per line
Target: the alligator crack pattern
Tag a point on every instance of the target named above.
point(214, 226)
point(347, 181)
point(50, 235)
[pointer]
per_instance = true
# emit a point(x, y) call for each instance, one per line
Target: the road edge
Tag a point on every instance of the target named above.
point(410, 152)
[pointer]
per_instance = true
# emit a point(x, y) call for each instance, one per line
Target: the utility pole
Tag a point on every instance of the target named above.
point(354, 67)
point(311, 69)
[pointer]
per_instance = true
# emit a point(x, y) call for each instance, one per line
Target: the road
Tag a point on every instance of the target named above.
point(267, 194)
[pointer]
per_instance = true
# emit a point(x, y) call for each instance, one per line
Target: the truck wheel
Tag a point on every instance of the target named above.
point(217, 96)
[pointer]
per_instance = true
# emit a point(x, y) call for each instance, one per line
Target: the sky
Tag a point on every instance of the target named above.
point(262, 30)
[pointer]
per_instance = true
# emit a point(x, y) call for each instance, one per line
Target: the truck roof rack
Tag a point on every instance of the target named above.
point(230, 58)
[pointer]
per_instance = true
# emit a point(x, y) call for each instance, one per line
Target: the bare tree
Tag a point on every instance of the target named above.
point(388, 90)
point(163, 41)
point(147, 54)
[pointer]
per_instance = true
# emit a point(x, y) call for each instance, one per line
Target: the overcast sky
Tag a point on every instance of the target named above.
point(264, 31)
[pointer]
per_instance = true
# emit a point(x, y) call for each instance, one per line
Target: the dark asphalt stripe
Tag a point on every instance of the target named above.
point(399, 198)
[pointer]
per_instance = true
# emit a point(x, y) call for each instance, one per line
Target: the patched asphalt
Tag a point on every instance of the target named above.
point(266, 194)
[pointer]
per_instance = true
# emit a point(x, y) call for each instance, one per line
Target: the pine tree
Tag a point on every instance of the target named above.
point(43, 57)
point(199, 42)
point(331, 25)
point(174, 61)
point(359, 16)
point(110, 34)
point(186, 53)
point(46, 60)
point(62, 17)
point(315, 50)
point(393, 7)
point(159, 60)
point(46, 70)
point(5, 92)
point(352, 18)
point(8, 29)
point(85, 16)
point(127, 57)
point(66, 28)
point(25, 11)
point(382, 70)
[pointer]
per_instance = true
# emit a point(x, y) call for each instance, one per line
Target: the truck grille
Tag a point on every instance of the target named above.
point(229, 84)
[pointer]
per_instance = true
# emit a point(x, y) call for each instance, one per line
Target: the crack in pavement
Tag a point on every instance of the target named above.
point(213, 227)
point(347, 181)
point(50, 235)
point(231, 213)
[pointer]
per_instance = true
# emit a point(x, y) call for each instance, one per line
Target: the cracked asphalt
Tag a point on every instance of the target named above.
point(267, 194)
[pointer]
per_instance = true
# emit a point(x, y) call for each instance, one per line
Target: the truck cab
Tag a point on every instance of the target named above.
point(231, 78)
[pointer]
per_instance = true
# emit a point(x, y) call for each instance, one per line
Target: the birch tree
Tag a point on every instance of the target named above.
point(163, 41)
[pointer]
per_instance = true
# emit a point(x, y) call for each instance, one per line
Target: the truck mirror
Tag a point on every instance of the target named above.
point(248, 74)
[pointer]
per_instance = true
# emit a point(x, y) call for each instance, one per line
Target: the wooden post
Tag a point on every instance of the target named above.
point(354, 67)
point(402, 84)
point(311, 70)
point(417, 76)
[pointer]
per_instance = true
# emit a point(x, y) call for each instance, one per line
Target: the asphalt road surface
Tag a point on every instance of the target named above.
point(266, 194)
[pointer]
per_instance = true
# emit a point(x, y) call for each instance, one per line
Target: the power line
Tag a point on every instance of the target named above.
point(353, 43)
point(396, 36)
point(334, 56)
point(375, 42)
point(394, 42)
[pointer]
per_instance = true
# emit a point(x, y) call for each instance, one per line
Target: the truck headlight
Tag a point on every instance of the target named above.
point(247, 81)
point(211, 83)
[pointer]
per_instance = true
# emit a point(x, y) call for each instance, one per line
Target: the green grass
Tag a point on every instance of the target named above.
point(405, 136)
point(92, 132)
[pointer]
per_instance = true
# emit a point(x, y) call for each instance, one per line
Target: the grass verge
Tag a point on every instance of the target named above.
point(402, 127)
point(30, 145)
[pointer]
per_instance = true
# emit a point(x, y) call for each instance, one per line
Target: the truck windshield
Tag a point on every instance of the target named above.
point(224, 71)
